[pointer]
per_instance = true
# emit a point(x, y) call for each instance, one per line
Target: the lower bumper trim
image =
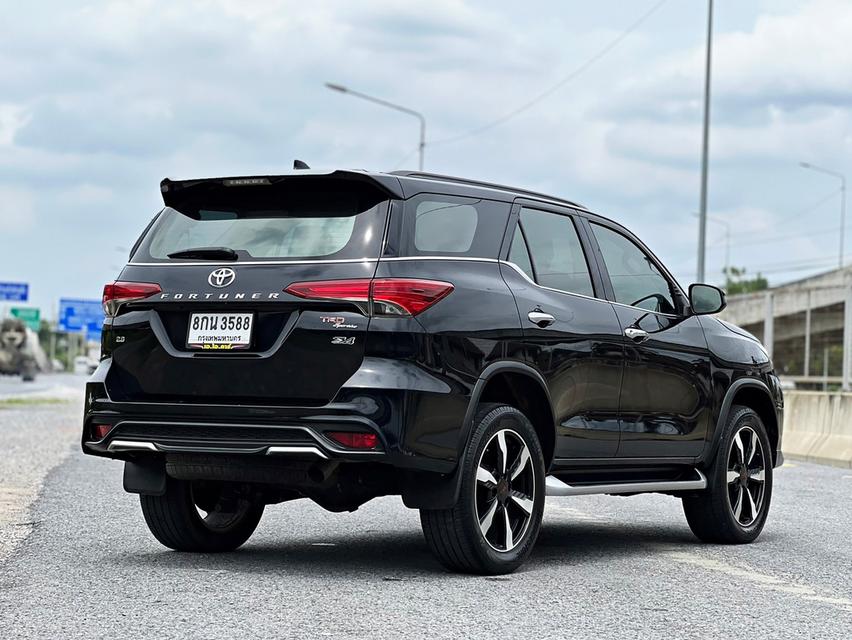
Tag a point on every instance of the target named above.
point(131, 445)
point(139, 445)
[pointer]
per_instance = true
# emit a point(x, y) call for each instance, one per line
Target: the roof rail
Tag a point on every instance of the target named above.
point(480, 183)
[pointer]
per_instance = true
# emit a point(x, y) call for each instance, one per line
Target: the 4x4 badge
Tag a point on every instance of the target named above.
point(221, 277)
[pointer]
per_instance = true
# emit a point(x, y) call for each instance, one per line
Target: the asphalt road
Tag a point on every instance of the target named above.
point(604, 567)
point(55, 385)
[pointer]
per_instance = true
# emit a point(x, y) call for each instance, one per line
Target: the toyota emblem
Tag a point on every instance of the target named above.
point(221, 277)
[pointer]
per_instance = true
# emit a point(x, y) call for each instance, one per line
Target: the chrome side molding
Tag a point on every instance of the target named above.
point(555, 487)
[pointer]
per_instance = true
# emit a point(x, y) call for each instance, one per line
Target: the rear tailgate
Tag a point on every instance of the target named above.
point(297, 351)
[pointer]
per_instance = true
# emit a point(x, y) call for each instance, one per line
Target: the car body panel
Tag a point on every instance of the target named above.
point(415, 381)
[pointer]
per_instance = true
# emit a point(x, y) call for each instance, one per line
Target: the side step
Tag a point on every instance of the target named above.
point(555, 487)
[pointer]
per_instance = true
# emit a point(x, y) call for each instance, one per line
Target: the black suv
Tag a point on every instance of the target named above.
point(471, 347)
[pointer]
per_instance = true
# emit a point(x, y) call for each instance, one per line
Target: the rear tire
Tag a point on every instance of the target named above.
point(495, 522)
point(228, 519)
point(733, 508)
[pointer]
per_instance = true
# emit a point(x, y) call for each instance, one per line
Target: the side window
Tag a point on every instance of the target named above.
point(520, 255)
point(635, 278)
point(434, 224)
point(555, 251)
point(444, 226)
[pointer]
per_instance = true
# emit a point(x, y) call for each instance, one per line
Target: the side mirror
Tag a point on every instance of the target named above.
point(706, 299)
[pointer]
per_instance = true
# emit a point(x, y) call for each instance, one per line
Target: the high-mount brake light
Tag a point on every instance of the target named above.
point(117, 293)
point(389, 296)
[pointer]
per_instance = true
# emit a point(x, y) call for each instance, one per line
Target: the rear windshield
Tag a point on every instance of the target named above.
point(280, 227)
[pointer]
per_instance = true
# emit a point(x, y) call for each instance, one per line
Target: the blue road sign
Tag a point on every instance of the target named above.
point(77, 315)
point(17, 291)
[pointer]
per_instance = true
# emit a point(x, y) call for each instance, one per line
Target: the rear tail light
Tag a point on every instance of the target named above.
point(388, 296)
point(354, 440)
point(117, 293)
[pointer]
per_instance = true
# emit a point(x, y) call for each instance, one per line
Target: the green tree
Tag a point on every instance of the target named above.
point(736, 281)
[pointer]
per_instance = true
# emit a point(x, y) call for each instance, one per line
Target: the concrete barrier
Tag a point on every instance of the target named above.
point(818, 427)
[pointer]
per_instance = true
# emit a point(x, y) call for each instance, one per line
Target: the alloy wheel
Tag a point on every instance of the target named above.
point(746, 476)
point(505, 490)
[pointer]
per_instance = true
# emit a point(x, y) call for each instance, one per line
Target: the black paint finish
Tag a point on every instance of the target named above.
point(600, 401)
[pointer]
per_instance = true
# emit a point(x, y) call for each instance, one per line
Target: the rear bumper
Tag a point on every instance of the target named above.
point(417, 428)
point(143, 435)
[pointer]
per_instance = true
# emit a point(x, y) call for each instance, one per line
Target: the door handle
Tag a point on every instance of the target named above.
point(541, 319)
point(637, 335)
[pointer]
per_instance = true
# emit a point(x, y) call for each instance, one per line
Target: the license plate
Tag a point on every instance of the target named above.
point(220, 331)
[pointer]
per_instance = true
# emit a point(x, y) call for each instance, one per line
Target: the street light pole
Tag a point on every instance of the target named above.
point(390, 105)
point(842, 178)
point(705, 148)
point(727, 240)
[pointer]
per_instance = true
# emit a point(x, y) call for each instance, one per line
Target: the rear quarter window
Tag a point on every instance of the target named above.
point(439, 225)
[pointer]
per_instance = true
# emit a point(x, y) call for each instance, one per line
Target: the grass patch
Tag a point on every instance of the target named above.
point(9, 403)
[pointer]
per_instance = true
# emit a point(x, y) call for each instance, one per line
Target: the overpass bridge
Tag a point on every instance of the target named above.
point(806, 325)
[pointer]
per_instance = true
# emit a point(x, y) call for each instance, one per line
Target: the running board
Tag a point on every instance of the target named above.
point(555, 487)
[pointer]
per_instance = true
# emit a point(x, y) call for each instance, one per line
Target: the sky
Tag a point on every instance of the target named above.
point(101, 100)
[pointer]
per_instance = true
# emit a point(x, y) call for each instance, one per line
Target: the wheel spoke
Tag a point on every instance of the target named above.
point(738, 441)
point(504, 451)
point(520, 463)
point(752, 447)
point(757, 475)
point(485, 477)
point(509, 539)
point(752, 507)
point(738, 507)
point(732, 476)
point(487, 520)
point(524, 502)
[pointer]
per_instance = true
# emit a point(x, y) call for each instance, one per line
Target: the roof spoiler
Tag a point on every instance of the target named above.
point(177, 191)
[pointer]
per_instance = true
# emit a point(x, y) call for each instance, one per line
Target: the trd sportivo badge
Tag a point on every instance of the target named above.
point(337, 322)
point(221, 277)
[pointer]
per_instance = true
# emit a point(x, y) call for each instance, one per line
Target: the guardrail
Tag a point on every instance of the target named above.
point(818, 427)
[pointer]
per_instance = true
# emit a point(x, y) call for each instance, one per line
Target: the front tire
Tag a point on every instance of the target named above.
point(495, 522)
point(201, 517)
point(734, 507)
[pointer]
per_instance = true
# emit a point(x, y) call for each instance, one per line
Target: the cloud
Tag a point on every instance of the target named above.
point(17, 211)
point(103, 99)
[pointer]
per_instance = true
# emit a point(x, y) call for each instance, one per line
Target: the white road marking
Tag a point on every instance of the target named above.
point(744, 573)
point(574, 514)
point(762, 580)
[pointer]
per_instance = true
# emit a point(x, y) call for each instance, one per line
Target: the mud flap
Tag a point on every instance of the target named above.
point(146, 477)
point(426, 490)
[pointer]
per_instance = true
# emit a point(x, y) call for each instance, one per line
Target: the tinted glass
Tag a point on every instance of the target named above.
point(293, 219)
point(635, 278)
point(520, 255)
point(444, 226)
point(439, 225)
point(270, 235)
point(557, 255)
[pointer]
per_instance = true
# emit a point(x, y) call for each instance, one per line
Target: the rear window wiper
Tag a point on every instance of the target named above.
point(206, 253)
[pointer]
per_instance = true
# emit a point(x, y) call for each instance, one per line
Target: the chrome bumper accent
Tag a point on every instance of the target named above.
point(131, 445)
point(296, 450)
point(138, 445)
